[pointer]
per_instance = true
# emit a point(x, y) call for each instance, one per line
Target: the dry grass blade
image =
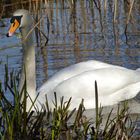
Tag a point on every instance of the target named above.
point(61, 102)
point(115, 10)
point(71, 114)
point(96, 104)
point(66, 107)
point(130, 11)
point(55, 100)
point(108, 123)
point(128, 19)
point(33, 28)
point(80, 111)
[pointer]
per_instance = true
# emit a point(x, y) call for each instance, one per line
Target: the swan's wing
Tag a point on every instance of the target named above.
point(72, 71)
point(109, 80)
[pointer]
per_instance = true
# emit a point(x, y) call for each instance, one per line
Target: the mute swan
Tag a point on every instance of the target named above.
point(115, 83)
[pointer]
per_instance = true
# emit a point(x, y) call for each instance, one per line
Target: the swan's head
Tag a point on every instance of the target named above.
point(20, 19)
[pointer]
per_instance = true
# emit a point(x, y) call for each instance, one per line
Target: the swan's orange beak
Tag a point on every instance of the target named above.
point(13, 28)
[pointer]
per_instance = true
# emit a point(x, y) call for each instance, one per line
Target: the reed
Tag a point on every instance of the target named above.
point(16, 123)
point(52, 12)
point(131, 5)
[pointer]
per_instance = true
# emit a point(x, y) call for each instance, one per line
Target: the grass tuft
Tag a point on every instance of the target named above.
point(60, 123)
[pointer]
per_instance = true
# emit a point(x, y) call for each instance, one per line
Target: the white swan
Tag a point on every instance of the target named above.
point(115, 83)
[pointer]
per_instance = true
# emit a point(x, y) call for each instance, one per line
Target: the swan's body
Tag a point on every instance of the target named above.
point(115, 83)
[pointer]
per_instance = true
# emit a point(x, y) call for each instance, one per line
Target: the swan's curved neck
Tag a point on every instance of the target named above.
point(28, 66)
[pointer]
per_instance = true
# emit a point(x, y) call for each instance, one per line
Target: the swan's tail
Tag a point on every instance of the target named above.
point(129, 92)
point(138, 69)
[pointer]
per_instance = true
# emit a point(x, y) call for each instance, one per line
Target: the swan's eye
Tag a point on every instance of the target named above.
point(18, 18)
point(12, 20)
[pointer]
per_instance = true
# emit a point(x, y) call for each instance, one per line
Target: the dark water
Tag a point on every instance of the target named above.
point(78, 32)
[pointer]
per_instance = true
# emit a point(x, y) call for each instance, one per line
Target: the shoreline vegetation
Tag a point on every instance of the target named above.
point(17, 124)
